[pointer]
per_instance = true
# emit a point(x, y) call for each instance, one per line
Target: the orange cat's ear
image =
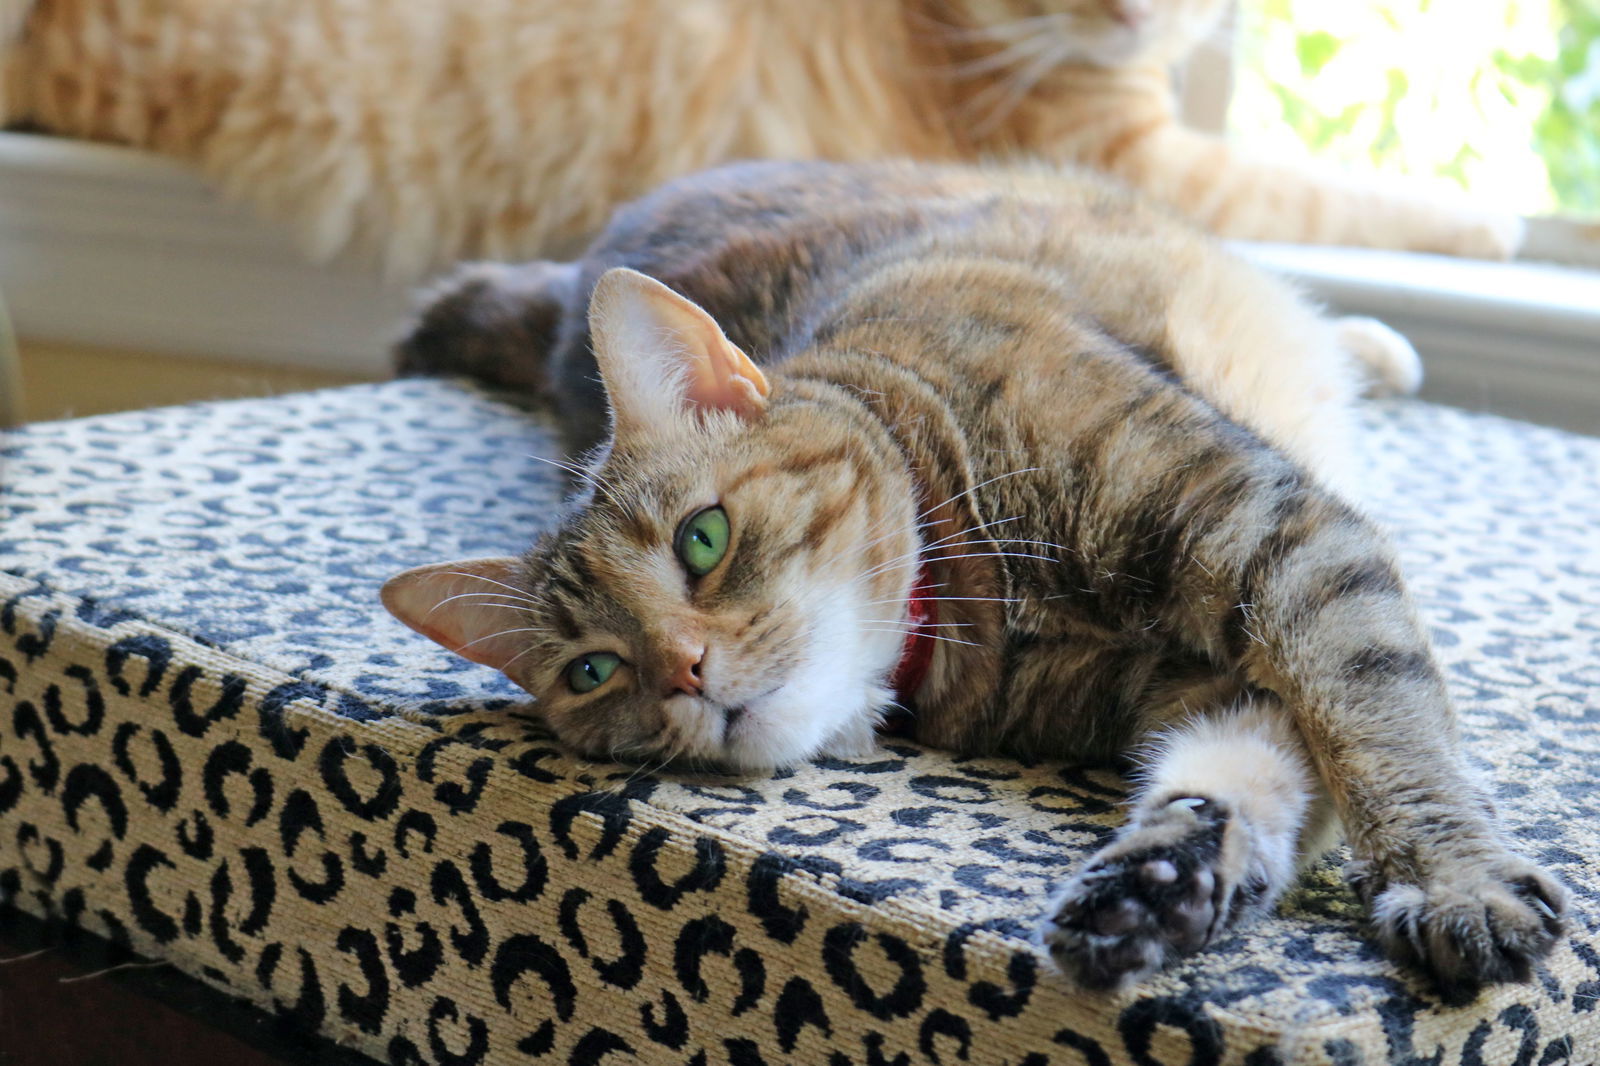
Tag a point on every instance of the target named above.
point(462, 605)
point(662, 357)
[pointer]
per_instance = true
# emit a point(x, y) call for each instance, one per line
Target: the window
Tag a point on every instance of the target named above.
point(1501, 97)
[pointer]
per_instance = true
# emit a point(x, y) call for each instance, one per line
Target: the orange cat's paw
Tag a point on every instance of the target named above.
point(1487, 923)
point(1478, 234)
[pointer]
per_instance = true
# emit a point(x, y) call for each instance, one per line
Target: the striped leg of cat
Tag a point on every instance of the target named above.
point(1216, 827)
point(1319, 617)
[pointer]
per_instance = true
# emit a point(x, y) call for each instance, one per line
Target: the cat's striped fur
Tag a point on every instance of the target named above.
point(1112, 448)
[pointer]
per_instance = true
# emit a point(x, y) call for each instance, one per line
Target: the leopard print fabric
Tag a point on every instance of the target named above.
point(217, 748)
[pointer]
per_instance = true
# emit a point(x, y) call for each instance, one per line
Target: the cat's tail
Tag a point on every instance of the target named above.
point(496, 322)
point(1391, 364)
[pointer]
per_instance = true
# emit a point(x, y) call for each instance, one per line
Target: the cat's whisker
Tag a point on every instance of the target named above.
point(502, 606)
point(947, 599)
point(644, 769)
point(579, 472)
point(1031, 26)
point(917, 528)
point(502, 633)
point(934, 507)
point(972, 529)
point(570, 467)
point(518, 593)
point(947, 537)
point(970, 555)
point(1021, 540)
point(593, 479)
point(975, 488)
point(506, 668)
point(907, 625)
point(482, 602)
point(995, 555)
point(1011, 54)
point(903, 557)
point(930, 636)
point(923, 550)
point(1010, 93)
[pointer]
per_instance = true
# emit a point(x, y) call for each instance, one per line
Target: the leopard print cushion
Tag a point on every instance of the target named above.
point(217, 748)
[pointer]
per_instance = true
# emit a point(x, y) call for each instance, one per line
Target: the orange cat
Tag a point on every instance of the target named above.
point(423, 132)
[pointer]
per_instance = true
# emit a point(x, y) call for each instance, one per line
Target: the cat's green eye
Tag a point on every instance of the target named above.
point(703, 540)
point(588, 672)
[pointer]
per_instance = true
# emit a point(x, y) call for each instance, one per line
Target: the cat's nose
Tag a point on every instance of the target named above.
point(685, 675)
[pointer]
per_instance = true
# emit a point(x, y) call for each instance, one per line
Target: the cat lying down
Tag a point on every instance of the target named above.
point(1027, 458)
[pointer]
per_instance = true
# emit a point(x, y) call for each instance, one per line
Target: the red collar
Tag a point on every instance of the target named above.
point(916, 655)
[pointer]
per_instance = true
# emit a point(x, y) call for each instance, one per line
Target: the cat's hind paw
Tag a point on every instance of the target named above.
point(1392, 364)
point(1162, 890)
point(1488, 923)
point(492, 321)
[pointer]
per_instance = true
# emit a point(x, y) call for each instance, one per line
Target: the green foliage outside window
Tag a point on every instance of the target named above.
point(1501, 97)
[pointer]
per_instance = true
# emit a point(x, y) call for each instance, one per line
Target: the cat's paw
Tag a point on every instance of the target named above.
point(1474, 233)
point(1484, 922)
point(491, 321)
point(1388, 357)
point(1167, 887)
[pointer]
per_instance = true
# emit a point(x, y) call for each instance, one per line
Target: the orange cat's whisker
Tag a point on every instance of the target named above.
point(1007, 94)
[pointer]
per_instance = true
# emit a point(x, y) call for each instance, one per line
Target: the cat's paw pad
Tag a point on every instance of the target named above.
point(1486, 924)
point(1158, 892)
point(1387, 356)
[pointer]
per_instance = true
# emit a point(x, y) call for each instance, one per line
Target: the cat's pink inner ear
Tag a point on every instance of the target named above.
point(466, 606)
point(650, 321)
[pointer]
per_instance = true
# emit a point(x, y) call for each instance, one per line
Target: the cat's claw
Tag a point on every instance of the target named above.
point(1158, 892)
point(1486, 923)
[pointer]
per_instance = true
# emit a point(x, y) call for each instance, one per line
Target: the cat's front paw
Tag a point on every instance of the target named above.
point(1165, 888)
point(1482, 922)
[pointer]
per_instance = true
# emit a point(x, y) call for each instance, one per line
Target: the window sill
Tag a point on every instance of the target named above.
point(1520, 339)
point(113, 248)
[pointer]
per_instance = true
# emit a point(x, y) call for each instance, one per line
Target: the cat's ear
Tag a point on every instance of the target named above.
point(462, 606)
point(663, 358)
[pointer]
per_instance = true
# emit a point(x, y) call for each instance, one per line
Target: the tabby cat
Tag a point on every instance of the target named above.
point(424, 132)
point(1029, 459)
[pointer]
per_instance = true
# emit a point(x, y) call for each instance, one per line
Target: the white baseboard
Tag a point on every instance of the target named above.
point(111, 247)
